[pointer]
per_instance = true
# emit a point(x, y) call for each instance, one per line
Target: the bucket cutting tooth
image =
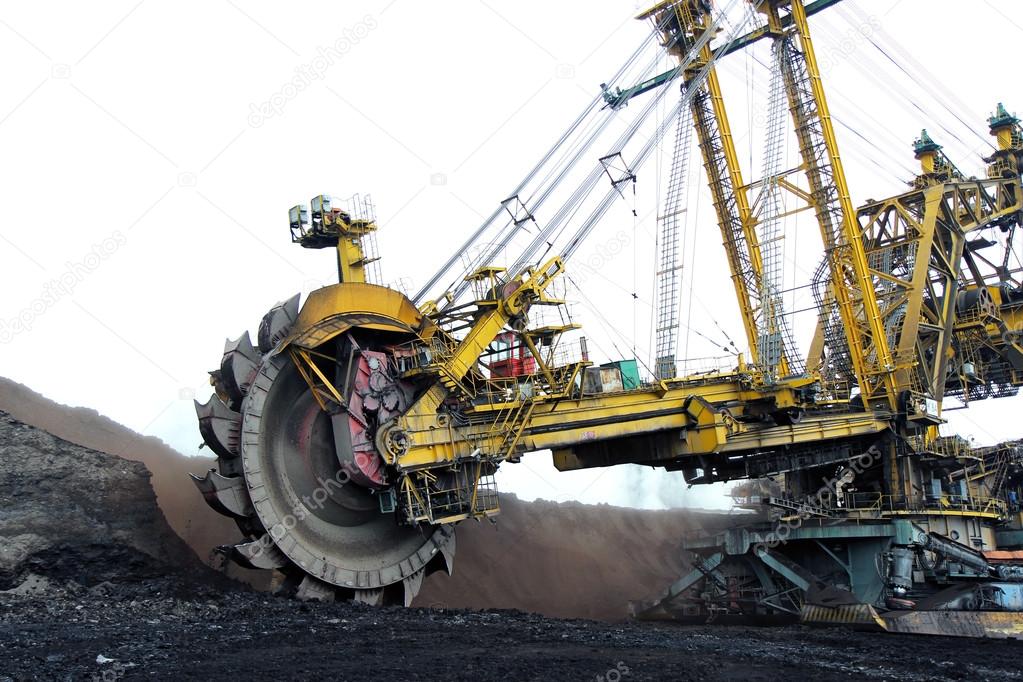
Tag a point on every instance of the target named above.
point(374, 597)
point(238, 366)
point(311, 589)
point(277, 323)
point(229, 496)
point(217, 382)
point(447, 552)
point(220, 426)
point(412, 584)
point(261, 553)
point(443, 551)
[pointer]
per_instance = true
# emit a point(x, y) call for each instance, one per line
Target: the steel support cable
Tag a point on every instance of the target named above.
point(568, 208)
point(577, 205)
point(692, 271)
point(870, 69)
point(552, 179)
point(575, 197)
point(908, 104)
point(576, 241)
point(640, 77)
point(592, 340)
point(489, 253)
point(558, 171)
point(658, 241)
point(919, 108)
point(586, 188)
point(511, 227)
point(559, 221)
point(693, 86)
point(609, 327)
point(853, 119)
point(721, 17)
point(936, 84)
point(563, 212)
point(592, 106)
point(478, 234)
point(871, 159)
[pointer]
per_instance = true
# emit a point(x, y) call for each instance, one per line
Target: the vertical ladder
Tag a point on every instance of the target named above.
point(669, 269)
point(731, 202)
point(778, 352)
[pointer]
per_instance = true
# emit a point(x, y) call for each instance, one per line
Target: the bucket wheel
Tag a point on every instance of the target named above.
point(304, 495)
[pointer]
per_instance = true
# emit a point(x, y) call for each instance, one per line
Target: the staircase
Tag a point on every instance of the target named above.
point(510, 427)
point(801, 508)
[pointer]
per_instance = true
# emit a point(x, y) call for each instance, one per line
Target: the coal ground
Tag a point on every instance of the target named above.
point(107, 613)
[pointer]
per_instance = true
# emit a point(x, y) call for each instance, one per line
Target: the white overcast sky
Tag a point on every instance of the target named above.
point(140, 167)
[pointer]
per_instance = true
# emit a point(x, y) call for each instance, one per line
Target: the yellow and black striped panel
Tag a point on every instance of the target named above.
point(858, 615)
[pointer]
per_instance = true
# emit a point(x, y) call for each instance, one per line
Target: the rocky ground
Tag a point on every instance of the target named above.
point(55, 494)
point(163, 627)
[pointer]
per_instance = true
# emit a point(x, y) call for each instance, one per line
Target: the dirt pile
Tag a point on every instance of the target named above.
point(71, 513)
point(183, 507)
point(566, 560)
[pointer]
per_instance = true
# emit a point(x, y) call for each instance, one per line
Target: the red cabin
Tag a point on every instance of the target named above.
point(511, 360)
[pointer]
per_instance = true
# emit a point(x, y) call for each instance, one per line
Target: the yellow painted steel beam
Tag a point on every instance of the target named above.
point(723, 139)
point(933, 222)
point(707, 412)
point(518, 295)
point(335, 309)
point(746, 305)
point(864, 328)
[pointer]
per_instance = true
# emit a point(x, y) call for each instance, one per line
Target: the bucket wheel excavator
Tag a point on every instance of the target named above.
point(364, 424)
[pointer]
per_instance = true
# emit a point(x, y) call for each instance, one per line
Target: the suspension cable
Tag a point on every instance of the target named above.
point(475, 237)
point(570, 206)
point(692, 87)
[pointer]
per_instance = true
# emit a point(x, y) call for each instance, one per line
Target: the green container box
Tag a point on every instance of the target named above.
point(629, 370)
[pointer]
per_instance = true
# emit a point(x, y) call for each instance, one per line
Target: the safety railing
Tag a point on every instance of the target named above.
point(465, 492)
point(708, 365)
point(568, 353)
point(876, 504)
point(952, 446)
